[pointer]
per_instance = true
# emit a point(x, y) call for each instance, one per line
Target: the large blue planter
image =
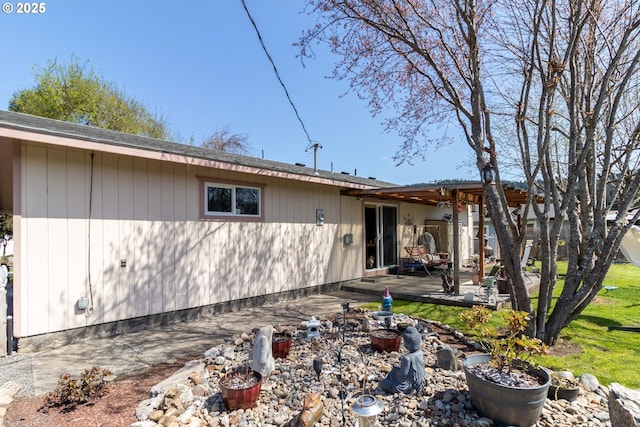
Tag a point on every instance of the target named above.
point(512, 406)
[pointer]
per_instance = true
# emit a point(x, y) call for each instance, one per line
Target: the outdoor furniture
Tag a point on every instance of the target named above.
point(427, 260)
point(525, 258)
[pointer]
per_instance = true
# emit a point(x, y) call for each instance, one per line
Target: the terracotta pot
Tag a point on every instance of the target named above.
point(475, 279)
point(240, 390)
point(280, 346)
point(385, 339)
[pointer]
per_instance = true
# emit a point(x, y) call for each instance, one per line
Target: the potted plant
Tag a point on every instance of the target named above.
point(240, 388)
point(563, 386)
point(280, 345)
point(385, 339)
point(502, 282)
point(504, 385)
point(402, 326)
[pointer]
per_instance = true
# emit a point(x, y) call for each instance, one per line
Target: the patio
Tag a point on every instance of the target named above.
point(420, 287)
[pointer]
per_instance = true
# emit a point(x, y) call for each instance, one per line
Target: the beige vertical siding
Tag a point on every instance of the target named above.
point(146, 213)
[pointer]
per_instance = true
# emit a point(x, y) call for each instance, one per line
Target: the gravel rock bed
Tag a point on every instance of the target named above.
point(17, 368)
point(191, 397)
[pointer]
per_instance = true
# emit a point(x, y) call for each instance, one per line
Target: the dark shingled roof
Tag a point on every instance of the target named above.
point(41, 125)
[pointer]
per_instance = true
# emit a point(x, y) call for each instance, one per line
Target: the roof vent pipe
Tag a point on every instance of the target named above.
point(315, 147)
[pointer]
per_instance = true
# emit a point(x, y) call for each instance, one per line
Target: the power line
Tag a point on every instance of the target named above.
point(275, 69)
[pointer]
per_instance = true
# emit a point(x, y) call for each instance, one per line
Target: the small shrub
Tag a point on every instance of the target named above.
point(507, 349)
point(70, 393)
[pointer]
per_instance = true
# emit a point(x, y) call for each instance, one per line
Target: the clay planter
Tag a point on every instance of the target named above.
point(280, 346)
point(240, 390)
point(475, 279)
point(555, 393)
point(385, 339)
point(513, 406)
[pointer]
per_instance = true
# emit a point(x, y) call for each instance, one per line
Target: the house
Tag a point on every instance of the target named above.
point(114, 232)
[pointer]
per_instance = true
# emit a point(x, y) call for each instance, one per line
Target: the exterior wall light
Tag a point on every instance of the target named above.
point(320, 217)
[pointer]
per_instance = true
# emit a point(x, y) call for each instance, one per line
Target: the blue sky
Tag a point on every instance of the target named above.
point(201, 66)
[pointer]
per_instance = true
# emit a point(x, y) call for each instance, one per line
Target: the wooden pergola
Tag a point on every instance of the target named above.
point(466, 193)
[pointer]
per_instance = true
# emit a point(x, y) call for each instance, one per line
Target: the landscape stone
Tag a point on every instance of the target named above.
point(624, 406)
point(589, 382)
point(446, 358)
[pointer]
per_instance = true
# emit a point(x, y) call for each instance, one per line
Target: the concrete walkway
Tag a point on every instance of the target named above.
point(38, 373)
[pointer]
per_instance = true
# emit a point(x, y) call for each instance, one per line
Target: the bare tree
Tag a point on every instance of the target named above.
point(554, 79)
point(224, 139)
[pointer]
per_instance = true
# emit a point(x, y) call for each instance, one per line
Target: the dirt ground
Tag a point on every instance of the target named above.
point(116, 409)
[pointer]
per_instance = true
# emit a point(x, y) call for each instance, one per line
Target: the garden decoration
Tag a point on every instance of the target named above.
point(447, 281)
point(409, 376)
point(387, 300)
point(262, 357)
point(503, 385)
point(313, 328)
point(365, 399)
point(345, 308)
point(367, 407)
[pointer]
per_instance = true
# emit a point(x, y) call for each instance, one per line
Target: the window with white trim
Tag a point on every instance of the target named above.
point(232, 200)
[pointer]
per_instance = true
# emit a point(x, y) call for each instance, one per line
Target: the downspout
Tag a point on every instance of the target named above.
point(89, 311)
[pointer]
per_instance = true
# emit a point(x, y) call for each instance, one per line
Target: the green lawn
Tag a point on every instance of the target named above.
point(612, 356)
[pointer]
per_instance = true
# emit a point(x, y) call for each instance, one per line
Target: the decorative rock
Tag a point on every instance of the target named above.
point(313, 408)
point(213, 352)
point(229, 353)
point(589, 382)
point(443, 401)
point(262, 359)
point(624, 406)
point(446, 358)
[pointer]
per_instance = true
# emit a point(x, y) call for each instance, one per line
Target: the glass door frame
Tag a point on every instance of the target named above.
point(380, 236)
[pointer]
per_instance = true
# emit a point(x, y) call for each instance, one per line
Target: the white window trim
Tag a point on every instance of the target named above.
point(205, 214)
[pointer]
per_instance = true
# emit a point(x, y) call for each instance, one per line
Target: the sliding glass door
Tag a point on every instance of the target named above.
point(381, 236)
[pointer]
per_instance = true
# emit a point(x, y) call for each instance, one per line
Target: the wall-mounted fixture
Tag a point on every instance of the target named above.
point(488, 174)
point(123, 263)
point(348, 239)
point(82, 303)
point(319, 216)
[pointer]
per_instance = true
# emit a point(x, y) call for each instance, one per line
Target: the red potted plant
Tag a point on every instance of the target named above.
point(280, 345)
point(385, 339)
point(240, 388)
